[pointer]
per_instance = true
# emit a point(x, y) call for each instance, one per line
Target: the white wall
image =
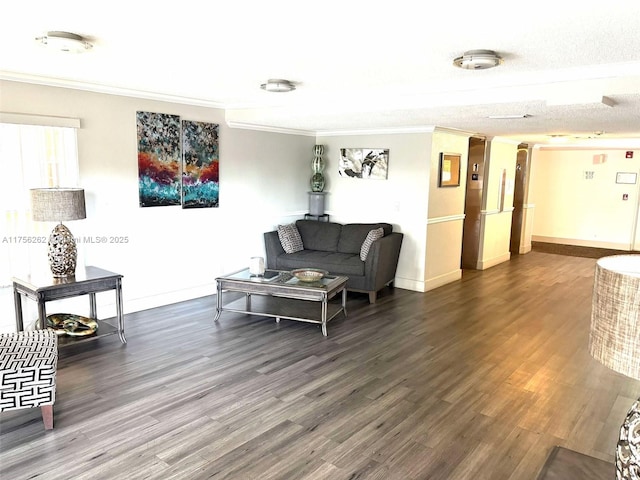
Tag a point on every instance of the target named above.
point(400, 200)
point(497, 210)
point(445, 214)
point(171, 254)
point(174, 254)
point(574, 210)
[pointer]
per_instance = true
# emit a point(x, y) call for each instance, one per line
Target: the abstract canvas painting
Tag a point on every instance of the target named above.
point(364, 163)
point(200, 182)
point(158, 159)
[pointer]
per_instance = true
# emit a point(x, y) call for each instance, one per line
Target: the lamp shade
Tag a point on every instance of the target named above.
point(57, 204)
point(614, 338)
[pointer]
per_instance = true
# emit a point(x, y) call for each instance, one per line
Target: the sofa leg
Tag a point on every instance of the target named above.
point(47, 416)
point(372, 297)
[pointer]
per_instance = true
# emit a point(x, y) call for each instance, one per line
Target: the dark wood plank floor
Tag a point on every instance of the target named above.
point(478, 379)
point(564, 464)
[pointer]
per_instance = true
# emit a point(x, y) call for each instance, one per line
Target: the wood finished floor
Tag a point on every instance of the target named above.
point(478, 379)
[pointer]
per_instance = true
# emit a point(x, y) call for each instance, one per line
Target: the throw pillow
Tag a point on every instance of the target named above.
point(290, 238)
point(372, 236)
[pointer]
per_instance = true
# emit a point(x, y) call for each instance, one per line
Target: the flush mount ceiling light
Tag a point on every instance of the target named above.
point(478, 60)
point(65, 42)
point(278, 85)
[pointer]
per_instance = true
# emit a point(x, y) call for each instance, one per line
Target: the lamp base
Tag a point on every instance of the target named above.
point(63, 252)
point(628, 448)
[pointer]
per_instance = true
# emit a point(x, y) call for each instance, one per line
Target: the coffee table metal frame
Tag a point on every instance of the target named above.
point(283, 285)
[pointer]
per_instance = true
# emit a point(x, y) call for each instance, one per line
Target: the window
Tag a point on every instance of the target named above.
point(31, 156)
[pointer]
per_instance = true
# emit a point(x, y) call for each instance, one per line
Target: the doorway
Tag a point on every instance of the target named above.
point(473, 204)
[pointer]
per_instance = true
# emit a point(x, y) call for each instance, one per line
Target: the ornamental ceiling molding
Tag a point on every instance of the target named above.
point(90, 87)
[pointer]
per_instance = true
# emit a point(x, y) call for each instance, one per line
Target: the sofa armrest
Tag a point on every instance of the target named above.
point(273, 248)
point(382, 261)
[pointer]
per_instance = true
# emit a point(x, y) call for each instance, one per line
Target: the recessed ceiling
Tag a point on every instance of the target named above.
point(356, 65)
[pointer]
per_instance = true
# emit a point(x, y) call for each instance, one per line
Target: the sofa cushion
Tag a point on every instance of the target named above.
point(354, 234)
point(321, 236)
point(336, 263)
point(290, 238)
point(372, 236)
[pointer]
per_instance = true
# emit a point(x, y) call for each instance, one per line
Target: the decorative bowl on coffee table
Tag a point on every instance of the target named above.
point(309, 274)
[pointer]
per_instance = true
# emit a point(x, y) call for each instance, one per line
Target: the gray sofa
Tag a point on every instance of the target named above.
point(336, 248)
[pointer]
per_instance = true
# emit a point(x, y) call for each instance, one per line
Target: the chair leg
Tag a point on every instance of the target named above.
point(47, 416)
point(372, 297)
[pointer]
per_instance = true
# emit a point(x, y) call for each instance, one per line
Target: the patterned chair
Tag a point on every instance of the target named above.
point(28, 364)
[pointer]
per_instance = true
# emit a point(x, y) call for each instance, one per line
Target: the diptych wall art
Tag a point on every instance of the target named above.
point(200, 183)
point(158, 159)
point(177, 166)
point(370, 163)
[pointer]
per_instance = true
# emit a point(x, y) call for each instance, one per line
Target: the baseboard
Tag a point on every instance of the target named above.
point(409, 284)
point(582, 243)
point(429, 284)
point(108, 310)
point(492, 262)
point(441, 280)
point(578, 251)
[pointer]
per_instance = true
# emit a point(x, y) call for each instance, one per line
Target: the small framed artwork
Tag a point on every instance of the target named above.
point(449, 174)
point(368, 163)
point(626, 177)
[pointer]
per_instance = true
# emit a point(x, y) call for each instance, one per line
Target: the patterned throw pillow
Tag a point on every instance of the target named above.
point(290, 238)
point(372, 236)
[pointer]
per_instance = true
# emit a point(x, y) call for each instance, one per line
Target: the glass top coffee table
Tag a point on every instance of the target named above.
point(279, 294)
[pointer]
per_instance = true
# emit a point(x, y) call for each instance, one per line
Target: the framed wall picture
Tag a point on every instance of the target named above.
point(200, 164)
point(626, 177)
point(449, 174)
point(158, 159)
point(368, 163)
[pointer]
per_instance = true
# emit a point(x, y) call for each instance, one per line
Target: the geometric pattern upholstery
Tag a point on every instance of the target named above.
point(372, 236)
point(290, 238)
point(28, 364)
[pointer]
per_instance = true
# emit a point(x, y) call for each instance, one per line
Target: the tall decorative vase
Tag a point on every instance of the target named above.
point(317, 166)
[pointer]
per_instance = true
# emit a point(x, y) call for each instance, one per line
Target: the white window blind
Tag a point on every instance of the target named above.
point(31, 156)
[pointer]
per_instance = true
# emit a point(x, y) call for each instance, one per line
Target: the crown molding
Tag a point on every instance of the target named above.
point(455, 131)
point(392, 131)
point(267, 128)
point(506, 140)
point(348, 132)
point(376, 131)
point(95, 88)
point(604, 144)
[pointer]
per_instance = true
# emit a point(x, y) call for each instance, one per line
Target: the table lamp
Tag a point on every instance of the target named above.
point(614, 341)
point(56, 205)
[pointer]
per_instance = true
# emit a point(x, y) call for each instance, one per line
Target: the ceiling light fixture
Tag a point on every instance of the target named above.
point(509, 117)
point(65, 42)
point(278, 85)
point(478, 60)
